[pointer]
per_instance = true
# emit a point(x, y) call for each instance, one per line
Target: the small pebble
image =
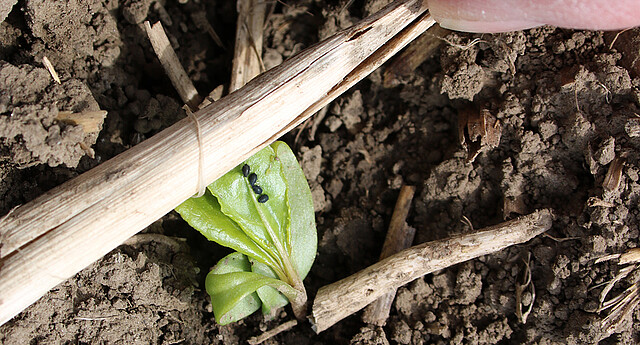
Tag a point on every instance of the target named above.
point(263, 198)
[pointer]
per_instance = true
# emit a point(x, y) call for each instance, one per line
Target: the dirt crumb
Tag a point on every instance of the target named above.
point(465, 83)
point(401, 332)
point(68, 32)
point(141, 297)
point(370, 336)
point(135, 11)
point(468, 285)
point(28, 126)
point(5, 8)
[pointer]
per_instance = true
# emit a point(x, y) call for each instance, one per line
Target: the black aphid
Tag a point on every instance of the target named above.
point(257, 189)
point(246, 170)
point(253, 178)
point(263, 198)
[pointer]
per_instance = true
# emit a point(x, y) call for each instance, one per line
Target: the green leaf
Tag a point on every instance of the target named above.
point(271, 298)
point(229, 290)
point(279, 235)
point(245, 306)
point(302, 227)
point(240, 203)
point(289, 211)
point(204, 215)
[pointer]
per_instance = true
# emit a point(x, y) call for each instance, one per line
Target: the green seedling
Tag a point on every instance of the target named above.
point(263, 209)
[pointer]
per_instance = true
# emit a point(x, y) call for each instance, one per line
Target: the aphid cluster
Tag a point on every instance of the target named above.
point(253, 178)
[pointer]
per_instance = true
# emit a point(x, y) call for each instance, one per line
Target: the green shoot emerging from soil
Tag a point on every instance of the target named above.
point(272, 228)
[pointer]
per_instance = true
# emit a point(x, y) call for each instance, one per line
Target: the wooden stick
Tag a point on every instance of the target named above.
point(394, 241)
point(345, 297)
point(74, 224)
point(247, 54)
point(171, 65)
point(399, 237)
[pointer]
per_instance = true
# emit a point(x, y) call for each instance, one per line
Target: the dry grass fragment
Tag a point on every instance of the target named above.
point(90, 120)
point(616, 37)
point(49, 66)
point(478, 130)
point(521, 288)
point(622, 305)
point(614, 174)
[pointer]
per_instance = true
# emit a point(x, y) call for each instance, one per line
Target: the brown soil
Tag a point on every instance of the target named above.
point(566, 101)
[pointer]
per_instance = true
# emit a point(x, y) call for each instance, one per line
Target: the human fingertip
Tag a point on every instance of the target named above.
point(461, 15)
point(499, 16)
point(485, 27)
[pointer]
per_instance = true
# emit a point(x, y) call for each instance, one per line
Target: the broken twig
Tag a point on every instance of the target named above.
point(336, 301)
point(172, 65)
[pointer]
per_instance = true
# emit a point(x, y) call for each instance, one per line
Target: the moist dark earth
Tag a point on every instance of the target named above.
point(565, 106)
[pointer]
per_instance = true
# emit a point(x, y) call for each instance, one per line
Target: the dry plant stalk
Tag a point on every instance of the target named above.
point(56, 235)
point(399, 237)
point(247, 54)
point(171, 65)
point(623, 304)
point(336, 301)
